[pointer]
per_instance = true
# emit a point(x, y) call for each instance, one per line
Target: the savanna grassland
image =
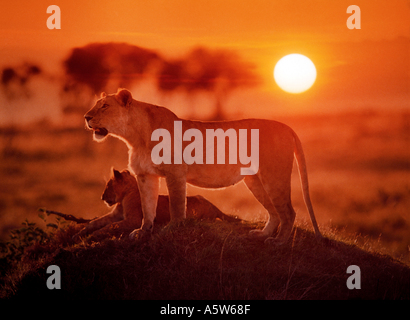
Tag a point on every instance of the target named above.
point(359, 173)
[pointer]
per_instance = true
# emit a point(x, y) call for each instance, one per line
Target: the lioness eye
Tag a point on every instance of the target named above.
point(104, 106)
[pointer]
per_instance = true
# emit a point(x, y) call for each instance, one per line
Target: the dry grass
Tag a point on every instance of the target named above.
point(202, 260)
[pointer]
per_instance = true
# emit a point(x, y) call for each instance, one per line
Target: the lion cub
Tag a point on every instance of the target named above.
point(122, 191)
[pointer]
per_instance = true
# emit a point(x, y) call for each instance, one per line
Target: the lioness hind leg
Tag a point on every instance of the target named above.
point(256, 187)
point(287, 218)
point(277, 190)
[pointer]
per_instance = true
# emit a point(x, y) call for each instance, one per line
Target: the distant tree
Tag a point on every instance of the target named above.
point(14, 80)
point(99, 67)
point(14, 83)
point(218, 72)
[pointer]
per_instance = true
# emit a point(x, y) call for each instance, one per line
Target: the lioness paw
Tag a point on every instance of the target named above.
point(274, 241)
point(257, 234)
point(140, 234)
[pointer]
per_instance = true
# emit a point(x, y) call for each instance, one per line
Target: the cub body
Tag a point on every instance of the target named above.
point(122, 192)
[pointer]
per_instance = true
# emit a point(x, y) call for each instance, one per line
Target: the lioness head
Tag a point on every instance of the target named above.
point(120, 184)
point(109, 114)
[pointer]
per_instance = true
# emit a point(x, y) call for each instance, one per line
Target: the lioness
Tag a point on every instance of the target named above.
point(122, 191)
point(135, 122)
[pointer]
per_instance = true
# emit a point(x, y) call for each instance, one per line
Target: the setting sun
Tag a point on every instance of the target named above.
point(295, 73)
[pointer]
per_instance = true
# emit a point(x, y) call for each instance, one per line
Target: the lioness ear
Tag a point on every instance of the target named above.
point(117, 174)
point(124, 97)
point(103, 94)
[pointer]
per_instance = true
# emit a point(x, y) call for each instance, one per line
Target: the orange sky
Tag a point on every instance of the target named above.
point(356, 68)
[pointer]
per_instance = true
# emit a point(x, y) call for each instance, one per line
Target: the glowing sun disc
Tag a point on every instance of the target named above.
point(294, 73)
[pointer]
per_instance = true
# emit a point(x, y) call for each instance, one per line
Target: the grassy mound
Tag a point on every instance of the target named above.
point(203, 260)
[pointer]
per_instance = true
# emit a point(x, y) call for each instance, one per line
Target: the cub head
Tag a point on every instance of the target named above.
point(109, 114)
point(120, 184)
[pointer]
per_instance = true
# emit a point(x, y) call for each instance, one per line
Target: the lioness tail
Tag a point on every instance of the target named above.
point(301, 162)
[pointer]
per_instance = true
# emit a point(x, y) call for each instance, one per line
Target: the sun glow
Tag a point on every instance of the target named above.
point(294, 73)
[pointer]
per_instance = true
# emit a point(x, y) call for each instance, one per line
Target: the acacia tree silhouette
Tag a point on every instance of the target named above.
point(217, 72)
point(14, 83)
point(14, 80)
point(99, 67)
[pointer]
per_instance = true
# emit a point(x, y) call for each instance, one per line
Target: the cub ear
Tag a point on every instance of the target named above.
point(103, 94)
point(124, 97)
point(117, 174)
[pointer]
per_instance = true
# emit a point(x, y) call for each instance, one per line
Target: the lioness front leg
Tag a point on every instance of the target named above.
point(149, 188)
point(177, 197)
